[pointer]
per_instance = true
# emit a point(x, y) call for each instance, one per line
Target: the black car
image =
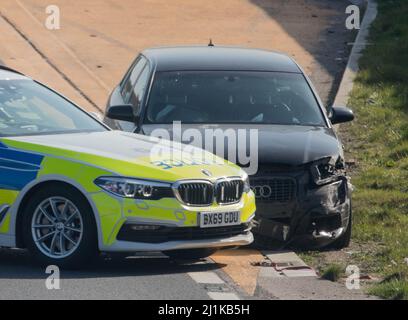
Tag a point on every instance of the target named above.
point(303, 192)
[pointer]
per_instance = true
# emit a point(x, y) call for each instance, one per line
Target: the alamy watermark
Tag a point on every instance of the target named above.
point(353, 277)
point(239, 146)
point(353, 20)
point(53, 20)
point(53, 282)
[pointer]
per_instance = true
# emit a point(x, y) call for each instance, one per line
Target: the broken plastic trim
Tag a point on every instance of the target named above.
point(326, 170)
point(327, 234)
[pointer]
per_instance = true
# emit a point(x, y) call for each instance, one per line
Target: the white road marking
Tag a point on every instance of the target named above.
point(223, 296)
point(206, 277)
point(300, 273)
point(212, 281)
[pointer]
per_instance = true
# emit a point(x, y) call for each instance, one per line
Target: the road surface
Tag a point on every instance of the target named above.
point(88, 55)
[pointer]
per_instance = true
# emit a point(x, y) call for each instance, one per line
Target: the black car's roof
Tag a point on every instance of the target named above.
point(219, 58)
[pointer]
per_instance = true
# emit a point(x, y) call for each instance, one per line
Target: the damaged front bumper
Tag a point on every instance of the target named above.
point(293, 211)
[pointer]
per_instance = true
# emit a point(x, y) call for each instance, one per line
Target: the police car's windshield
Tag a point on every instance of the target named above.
point(233, 97)
point(28, 108)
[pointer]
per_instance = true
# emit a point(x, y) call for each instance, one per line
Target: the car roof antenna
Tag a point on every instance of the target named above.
point(210, 44)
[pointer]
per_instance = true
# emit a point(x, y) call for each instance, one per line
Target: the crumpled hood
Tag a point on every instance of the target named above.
point(287, 145)
point(128, 154)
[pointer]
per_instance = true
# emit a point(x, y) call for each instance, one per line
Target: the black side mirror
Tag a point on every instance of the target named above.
point(122, 112)
point(340, 115)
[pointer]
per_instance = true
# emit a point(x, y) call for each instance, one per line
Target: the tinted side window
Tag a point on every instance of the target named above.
point(136, 96)
point(132, 78)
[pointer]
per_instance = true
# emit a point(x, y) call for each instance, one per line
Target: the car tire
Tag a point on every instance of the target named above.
point(344, 240)
point(59, 227)
point(190, 254)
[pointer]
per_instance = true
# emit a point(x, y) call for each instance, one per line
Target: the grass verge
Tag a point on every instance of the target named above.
point(380, 145)
point(378, 141)
point(333, 272)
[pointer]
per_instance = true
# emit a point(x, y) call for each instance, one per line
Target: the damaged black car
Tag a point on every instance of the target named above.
point(297, 170)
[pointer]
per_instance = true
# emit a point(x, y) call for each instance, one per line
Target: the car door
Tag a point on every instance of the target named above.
point(17, 169)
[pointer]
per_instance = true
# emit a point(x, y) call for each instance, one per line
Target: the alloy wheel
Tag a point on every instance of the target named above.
point(57, 227)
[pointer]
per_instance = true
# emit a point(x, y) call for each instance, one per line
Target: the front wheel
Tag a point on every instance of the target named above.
point(190, 254)
point(59, 228)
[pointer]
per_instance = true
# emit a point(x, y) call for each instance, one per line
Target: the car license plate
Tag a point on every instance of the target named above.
point(219, 219)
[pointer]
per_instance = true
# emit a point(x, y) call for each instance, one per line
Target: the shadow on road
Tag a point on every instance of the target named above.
point(326, 39)
point(18, 264)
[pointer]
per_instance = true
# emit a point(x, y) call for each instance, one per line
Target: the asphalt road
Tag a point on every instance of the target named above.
point(138, 277)
point(98, 39)
point(87, 57)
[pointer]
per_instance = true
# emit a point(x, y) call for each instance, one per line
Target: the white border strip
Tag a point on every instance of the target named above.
point(209, 279)
point(206, 277)
point(223, 296)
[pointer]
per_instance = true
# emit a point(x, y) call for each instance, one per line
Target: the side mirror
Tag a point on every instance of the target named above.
point(122, 112)
point(340, 115)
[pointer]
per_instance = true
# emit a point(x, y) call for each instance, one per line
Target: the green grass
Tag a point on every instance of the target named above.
point(379, 144)
point(332, 272)
point(394, 289)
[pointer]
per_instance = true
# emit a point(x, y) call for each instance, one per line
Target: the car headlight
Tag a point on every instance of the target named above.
point(326, 170)
point(135, 188)
point(247, 185)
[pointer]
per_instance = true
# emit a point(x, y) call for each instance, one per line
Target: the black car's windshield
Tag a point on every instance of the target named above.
point(28, 108)
point(232, 97)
